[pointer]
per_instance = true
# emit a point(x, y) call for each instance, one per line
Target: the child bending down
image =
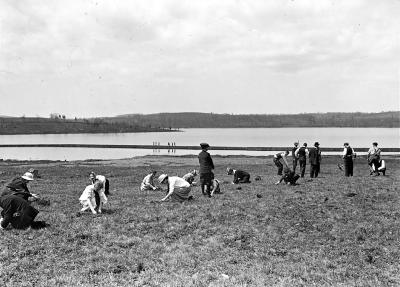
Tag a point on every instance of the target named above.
point(88, 200)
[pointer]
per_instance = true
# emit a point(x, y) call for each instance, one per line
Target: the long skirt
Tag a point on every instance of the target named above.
point(180, 194)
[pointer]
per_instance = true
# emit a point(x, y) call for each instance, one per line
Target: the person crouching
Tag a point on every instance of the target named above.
point(17, 212)
point(289, 177)
point(178, 189)
point(88, 200)
point(239, 176)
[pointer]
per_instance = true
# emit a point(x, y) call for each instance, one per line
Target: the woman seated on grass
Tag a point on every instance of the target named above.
point(289, 177)
point(148, 182)
point(189, 177)
point(178, 189)
point(239, 176)
point(18, 212)
point(88, 200)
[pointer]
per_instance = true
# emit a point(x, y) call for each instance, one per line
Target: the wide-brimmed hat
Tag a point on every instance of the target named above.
point(162, 177)
point(27, 176)
point(204, 145)
point(316, 144)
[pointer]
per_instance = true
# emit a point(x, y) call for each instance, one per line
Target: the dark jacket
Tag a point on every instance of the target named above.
point(206, 162)
point(314, 155)
point(239, 175)
point(16, 211)
point(17, 187)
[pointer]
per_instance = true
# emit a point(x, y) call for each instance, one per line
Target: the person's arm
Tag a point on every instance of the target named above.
point(378, 152)
point(171, 185)
point(278, 182)
point(383, 165)
point(211, 161)
point(285, 160)
point(344, 153)
point(296, 153)
point(90, 202)
point(235, 177)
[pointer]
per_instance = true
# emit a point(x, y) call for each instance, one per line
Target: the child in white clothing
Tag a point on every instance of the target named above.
point(88, 200)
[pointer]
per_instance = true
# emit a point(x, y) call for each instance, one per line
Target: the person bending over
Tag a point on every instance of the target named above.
point(289, 177)
point(148, 182)
point(17, 212)
point(277, 161)
point(380, 167)
point(239, 176)
point(19, 187)
point(178, 189)
point(88, 200)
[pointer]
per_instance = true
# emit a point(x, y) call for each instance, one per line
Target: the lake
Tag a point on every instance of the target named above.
point(256, 137)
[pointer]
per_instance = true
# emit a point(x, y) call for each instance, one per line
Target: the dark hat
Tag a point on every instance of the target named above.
point(204, 145)
point(316, 144)
point(346, 144)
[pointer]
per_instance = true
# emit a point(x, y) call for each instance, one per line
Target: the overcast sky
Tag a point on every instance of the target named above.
point(104, 58)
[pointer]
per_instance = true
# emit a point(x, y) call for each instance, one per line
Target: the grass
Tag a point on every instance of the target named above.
point(331, 231)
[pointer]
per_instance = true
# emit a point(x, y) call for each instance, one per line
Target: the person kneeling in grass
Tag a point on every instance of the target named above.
point(18, 212)
point(88, 200)
point(239, 176)
point(189, 177)
point(178, 189)
point(289, 177)
point(148, 182)
point(379, 167)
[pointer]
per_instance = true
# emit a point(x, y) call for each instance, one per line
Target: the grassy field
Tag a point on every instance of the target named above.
point(330, 231)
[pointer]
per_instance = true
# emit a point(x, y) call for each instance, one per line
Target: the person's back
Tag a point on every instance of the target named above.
point(16, 211)
point(205, 161)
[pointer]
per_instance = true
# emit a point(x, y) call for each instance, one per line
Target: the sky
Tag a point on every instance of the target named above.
point(104, 58)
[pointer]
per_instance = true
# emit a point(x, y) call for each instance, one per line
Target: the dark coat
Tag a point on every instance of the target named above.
point(17, 187)
point(16, 211)
point(206, 162)
point(314, 155)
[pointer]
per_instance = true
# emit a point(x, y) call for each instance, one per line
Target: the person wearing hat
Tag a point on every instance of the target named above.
point(206, 168)
point(314, 157)
point(295, 159)
point(277, 161)
point(17, 212)
point(148, 182)
point(301, 153)
point(178, 189)
point(19, 187)
point(348, 154)
point(189, 177)
point(239, 176)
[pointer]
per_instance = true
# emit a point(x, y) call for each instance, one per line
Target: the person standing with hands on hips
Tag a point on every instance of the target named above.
point(301, 153)
point(206, 168)
point(348, 154)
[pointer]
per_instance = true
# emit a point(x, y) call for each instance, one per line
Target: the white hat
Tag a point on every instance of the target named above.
point(27, 176)
point(162, 177)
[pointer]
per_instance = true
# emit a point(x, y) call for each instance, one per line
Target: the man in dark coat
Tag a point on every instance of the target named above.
point(289, 177)
point(239, 176)
point(16, 211)
point(348, 154)
point(315, 160)
point(295, 159)
point(301, 153)
point(206, 167)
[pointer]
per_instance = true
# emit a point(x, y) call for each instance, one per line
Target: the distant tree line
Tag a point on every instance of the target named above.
point(211, 120)
point(57, 125)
